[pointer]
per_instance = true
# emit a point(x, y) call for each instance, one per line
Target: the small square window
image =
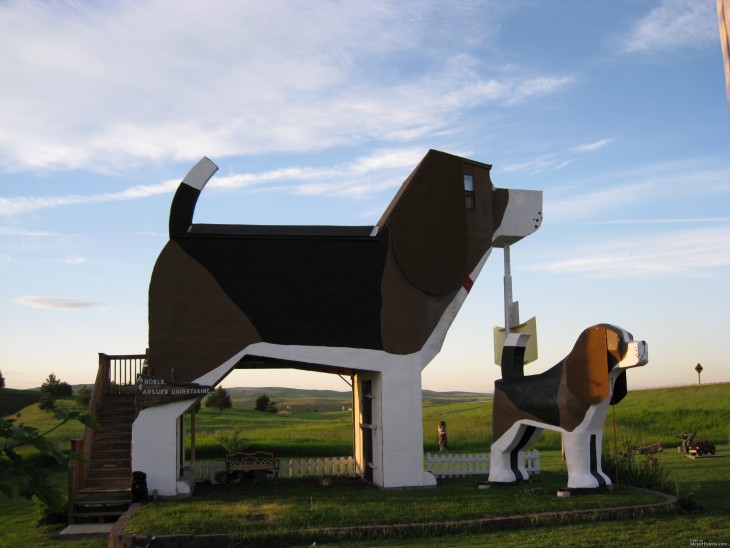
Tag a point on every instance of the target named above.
point(469, 191)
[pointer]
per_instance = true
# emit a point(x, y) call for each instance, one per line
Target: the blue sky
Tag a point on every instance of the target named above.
point(316, 111)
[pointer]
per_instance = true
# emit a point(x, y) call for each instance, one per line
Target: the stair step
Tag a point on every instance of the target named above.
point(111, 438)
point(96, 491)
point(106, 465)
point(103, 498)
point(105, 447)
point(114, 427)
point(100, 517)
point(109, 483)
point(111, 475)
point(112, 414)
point(110, 452)
point(98, 514)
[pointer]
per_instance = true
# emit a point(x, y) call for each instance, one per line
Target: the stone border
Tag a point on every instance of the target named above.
point(119, 538)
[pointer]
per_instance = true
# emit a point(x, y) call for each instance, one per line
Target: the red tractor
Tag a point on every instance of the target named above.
point(697, 448)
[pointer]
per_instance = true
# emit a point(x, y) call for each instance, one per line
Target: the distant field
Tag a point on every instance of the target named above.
point(312, 423)
point(644, 417)
point(292, 399)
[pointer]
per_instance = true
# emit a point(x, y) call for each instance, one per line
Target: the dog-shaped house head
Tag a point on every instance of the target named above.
point(393, 288)
point(572, 398)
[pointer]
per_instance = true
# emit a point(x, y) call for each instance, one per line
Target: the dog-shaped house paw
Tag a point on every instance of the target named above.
point(571, 398)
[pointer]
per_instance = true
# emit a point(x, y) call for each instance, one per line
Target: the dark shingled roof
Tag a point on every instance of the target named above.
point(281, 231)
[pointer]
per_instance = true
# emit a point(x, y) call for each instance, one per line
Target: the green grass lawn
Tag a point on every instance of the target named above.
point(644, 417)
point(259, 512)
point(19, 524)
point(255, 511)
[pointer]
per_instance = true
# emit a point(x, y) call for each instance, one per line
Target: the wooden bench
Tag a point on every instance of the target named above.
point(251, 462)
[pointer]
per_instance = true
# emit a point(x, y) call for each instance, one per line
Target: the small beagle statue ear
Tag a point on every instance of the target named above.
point(587, 366)
point(429, 225)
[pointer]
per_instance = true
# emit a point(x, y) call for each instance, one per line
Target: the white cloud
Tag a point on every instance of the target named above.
point(24, 233)
point(591, 147)
point(105, 86)
point(379, 169)
point(696, 253)
point(25, 204)
point(537, 87)
point(535, 166)
point(75, 260)
point(555, 161)
point(617, 191)
point(674, 24)
point(35, 301)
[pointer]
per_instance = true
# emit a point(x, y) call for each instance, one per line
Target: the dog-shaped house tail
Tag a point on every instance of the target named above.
point(370, 302)
point(571, 398)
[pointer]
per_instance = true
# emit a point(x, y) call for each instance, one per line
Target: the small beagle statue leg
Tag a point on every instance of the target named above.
point(505, 466)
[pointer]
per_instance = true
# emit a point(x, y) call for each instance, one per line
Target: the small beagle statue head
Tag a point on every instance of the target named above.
point(598, 363)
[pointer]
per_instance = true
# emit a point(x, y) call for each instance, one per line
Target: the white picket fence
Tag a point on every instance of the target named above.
point(302, 468)
point(455, 465)
point(205, 470)
point(441, 465)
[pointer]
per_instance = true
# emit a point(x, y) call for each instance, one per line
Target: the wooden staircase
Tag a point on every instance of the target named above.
point(107, 491)
point(100, 483)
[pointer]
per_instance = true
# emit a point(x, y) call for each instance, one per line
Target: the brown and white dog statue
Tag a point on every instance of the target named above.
point(571, 398)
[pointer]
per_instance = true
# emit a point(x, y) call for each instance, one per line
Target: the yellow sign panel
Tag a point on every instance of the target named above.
point(530, 327)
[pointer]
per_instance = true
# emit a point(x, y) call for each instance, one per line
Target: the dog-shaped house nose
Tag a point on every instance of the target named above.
point(522, 217)
point(637, 354)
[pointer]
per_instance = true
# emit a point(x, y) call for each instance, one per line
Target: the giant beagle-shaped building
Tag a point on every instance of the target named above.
point(373, 303)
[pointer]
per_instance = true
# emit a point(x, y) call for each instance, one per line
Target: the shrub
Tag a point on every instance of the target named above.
point(232, 440)
point(634, 469)
point(46, 401)
point(219, 399)
point(83, 397)
point(50, 513)
point(58, 389)
point(262, 402)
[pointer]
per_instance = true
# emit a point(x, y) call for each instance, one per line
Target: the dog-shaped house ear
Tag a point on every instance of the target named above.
point(620, 389)
point(587, 366)
point(428, 224)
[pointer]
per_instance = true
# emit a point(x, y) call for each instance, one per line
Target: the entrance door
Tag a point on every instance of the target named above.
point(366, 402)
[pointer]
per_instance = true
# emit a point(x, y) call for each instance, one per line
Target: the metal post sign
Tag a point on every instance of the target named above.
point(152, 391)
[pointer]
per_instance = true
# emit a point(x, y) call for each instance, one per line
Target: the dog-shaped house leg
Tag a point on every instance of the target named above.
point(571, 398)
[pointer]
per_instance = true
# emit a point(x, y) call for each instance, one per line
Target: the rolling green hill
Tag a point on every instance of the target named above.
point(332, 400)
point(313, 423)
point(12, 400)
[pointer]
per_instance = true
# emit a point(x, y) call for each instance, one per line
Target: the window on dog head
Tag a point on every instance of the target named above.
point(469, 191)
